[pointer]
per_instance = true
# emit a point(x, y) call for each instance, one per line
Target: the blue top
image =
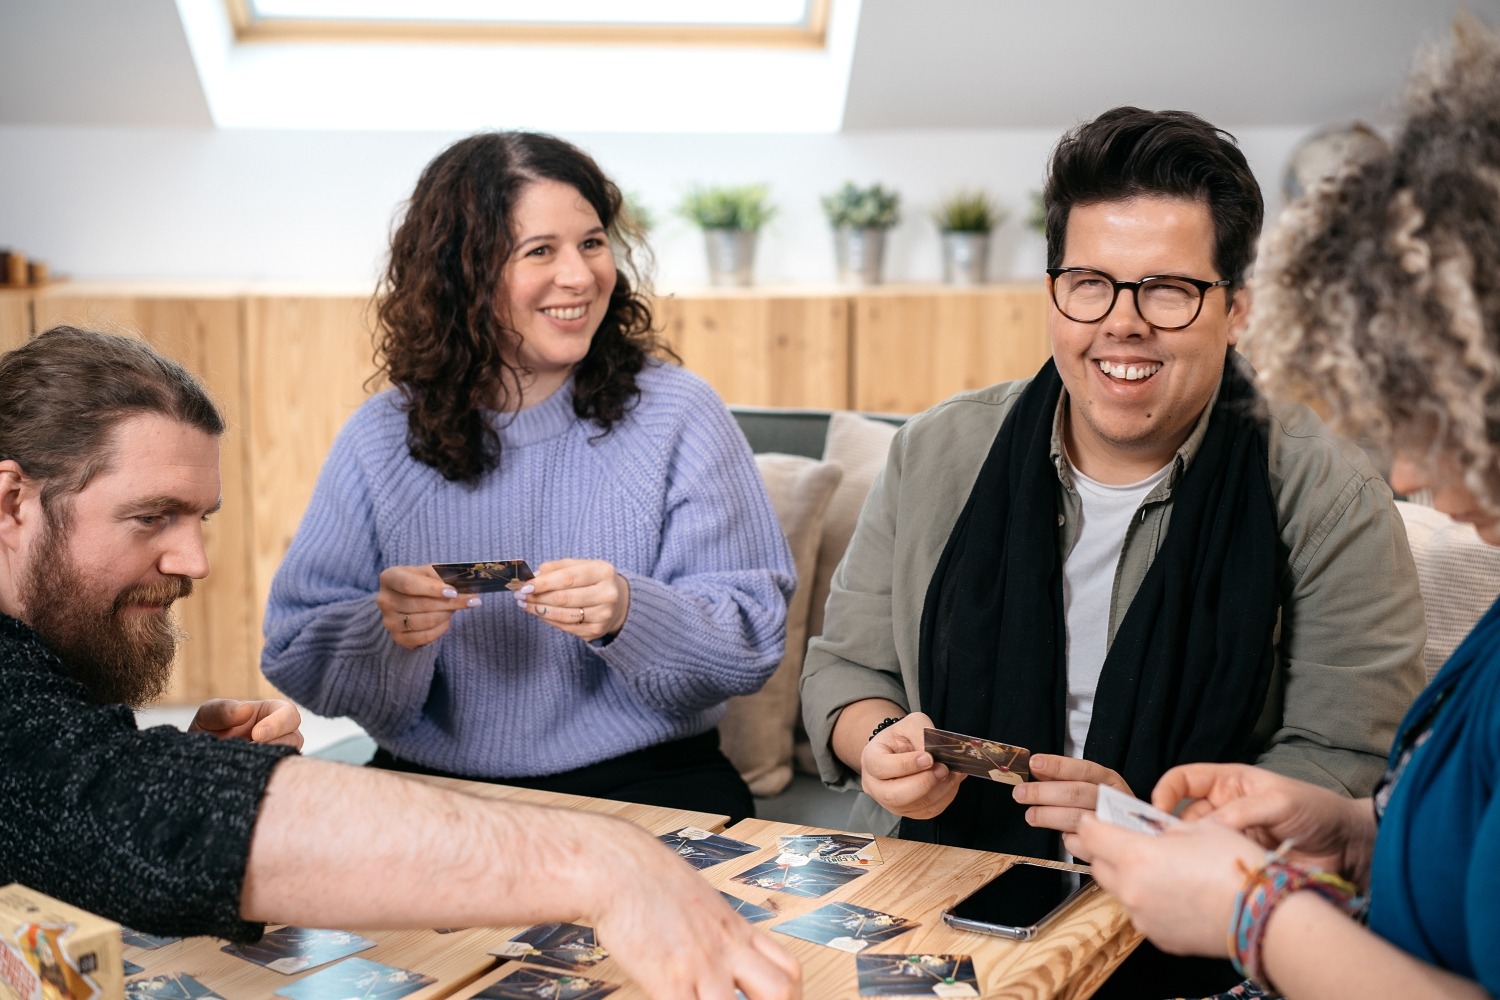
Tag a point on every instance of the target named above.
point(671, 496)
point(1435, 877)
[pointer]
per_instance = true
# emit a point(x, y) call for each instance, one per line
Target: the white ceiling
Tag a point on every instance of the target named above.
point(904, 64)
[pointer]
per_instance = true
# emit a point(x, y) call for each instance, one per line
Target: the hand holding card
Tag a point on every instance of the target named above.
point(417, 606)
point(978, 756)
point(485, 577)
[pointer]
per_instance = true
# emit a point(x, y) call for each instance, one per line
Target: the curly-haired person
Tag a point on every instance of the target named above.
point(1380, 296)
point(533, 416)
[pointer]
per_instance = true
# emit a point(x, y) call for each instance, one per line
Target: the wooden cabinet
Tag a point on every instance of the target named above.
point(288, 367)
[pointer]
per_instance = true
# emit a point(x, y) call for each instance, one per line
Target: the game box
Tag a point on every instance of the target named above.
point(50, 949)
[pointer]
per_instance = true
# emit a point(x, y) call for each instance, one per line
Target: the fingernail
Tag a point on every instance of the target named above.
point(1039, 766)
point(1019, 793)
point(528, 589)
point(449, 592)
point(924, 760)
point(473, 602)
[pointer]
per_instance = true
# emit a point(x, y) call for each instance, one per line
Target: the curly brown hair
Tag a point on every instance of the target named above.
point(440, 338)
point(1379, 295)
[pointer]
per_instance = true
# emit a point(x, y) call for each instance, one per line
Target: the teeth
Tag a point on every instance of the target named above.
point(1131, 373)
point(572, 312)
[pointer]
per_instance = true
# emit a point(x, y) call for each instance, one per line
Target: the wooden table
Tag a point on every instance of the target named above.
point(917, 881)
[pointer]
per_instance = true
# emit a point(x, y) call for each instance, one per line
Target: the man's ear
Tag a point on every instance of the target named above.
point(1239, 314)
point(15, 491)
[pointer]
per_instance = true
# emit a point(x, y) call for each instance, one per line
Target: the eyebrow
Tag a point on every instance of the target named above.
point(168, 505)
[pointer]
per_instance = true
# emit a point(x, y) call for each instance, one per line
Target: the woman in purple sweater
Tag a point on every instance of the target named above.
point(533, 418)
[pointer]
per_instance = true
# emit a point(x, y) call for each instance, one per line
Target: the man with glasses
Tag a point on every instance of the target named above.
point(1125, 562)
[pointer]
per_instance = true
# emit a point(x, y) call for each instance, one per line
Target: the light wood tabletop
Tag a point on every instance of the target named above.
point(1069, 959)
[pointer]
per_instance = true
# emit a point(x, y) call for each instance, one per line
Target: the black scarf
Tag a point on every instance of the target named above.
point(1186, 676)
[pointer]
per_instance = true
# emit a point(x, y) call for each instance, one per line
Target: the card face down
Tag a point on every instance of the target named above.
point(979, 757)
point(484, 577)
point(1120, 809)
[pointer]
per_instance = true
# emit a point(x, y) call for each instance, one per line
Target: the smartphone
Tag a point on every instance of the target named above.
point(1020, 901)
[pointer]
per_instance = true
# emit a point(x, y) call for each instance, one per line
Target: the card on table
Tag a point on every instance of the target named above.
point(1122, 810)
point(561, 946)
point(845, 926)
point(809, 879)
point(858, 850)
point(979, 757)
point(484, 577)
point(916, 976)
point(140, 939)
point(702, 849)
point(751, 912)
point(169, 986)
point(527, 983)
point(131, 968)
point(357, 977)
point(290, 950)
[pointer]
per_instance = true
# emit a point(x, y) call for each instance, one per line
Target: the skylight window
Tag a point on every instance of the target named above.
point(737, 22)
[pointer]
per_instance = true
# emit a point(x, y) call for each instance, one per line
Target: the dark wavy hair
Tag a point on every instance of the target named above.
point(440, 339)
point(1127, 152)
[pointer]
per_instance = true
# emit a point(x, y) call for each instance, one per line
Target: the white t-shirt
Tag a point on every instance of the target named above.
point(1088, 584)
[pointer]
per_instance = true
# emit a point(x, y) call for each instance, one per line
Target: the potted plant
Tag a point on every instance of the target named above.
point(965, 219)
point(859, 217)
point(730, 217)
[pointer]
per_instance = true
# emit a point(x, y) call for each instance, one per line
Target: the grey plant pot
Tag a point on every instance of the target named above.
point(965, 257)
point(731, 256)
point(860, 254)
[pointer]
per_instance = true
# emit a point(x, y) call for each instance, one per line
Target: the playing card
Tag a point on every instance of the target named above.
point(483, 577)
point(916, 976)
point(357, 977)
point(702, 849)
point(1120, 809)
point(979, 757)
point(131, 968)
point(845, 926)
point(561, 946)
point(857, 850)
point(751, 912)
point(290, 950)
point(170, 986)
point(809, 879)
point(140, 939)
point(527, 983)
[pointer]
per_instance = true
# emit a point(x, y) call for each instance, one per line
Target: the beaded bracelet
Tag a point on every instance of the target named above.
point(1263, 889)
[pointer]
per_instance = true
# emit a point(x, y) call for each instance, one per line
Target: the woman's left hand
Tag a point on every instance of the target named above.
point(1179, 887)
point(585, 597)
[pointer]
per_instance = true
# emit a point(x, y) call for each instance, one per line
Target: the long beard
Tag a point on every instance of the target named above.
point(121, 654)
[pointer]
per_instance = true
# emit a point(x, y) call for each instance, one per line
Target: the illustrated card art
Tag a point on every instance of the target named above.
point(484, 577)
point(527, 983)
point(561, 946)
point(916, 976)
point(357, 978)
point(979, 757)
point(290, 950)
point(810, 880)
point(845, 926)
point(702, 849)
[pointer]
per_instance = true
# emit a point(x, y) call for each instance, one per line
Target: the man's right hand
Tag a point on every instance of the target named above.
point(897, 772)
point(675, 936)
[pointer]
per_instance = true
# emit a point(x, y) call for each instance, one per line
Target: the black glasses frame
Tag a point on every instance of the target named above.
point(1135, 293)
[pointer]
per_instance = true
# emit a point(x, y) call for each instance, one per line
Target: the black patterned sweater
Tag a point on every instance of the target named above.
point(150, 828)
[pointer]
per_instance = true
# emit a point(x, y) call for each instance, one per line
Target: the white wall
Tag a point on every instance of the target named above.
point(165, 203)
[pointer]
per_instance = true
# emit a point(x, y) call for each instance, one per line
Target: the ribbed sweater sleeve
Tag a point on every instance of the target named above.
point(670, 496)
point(149, 828)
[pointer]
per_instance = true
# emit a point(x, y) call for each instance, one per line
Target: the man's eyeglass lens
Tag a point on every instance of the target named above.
point(1088, 296)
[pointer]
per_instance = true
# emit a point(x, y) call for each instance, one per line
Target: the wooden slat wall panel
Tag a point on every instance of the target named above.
point(15, 318)
point(206, 336)
point(764, 350)
point(913, 348)
point(307, 360)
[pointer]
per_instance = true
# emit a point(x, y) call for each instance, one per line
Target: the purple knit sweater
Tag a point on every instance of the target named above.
point(671, 496)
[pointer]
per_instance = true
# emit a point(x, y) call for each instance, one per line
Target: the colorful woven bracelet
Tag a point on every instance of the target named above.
point(1263, 889)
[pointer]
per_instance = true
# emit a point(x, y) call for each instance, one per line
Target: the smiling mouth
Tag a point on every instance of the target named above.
point(567, 312)
point(1130, 373)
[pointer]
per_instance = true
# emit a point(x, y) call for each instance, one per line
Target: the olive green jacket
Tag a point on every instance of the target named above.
point(1350, 632)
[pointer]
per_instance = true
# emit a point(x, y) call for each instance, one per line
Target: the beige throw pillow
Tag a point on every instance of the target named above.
point(858, 445)
point(757, 732)
point(1459, 575)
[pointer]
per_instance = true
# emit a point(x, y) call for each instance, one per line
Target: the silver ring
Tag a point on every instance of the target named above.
point(542, 610)
point(580, 616)
point(406, 623)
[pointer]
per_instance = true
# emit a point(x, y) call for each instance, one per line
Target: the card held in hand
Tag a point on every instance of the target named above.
point(484, 577)
point(977, 756)
point(1120, 809)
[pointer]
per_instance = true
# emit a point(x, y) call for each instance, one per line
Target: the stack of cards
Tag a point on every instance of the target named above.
point(484, 577)
point(1120, 809)
point(979, 757)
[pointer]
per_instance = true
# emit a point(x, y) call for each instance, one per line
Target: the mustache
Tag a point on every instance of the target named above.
point(162, 593)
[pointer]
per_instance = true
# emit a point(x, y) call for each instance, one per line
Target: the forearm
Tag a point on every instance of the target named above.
point(339, 846)
point(851, 733)
point(1313, 950)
